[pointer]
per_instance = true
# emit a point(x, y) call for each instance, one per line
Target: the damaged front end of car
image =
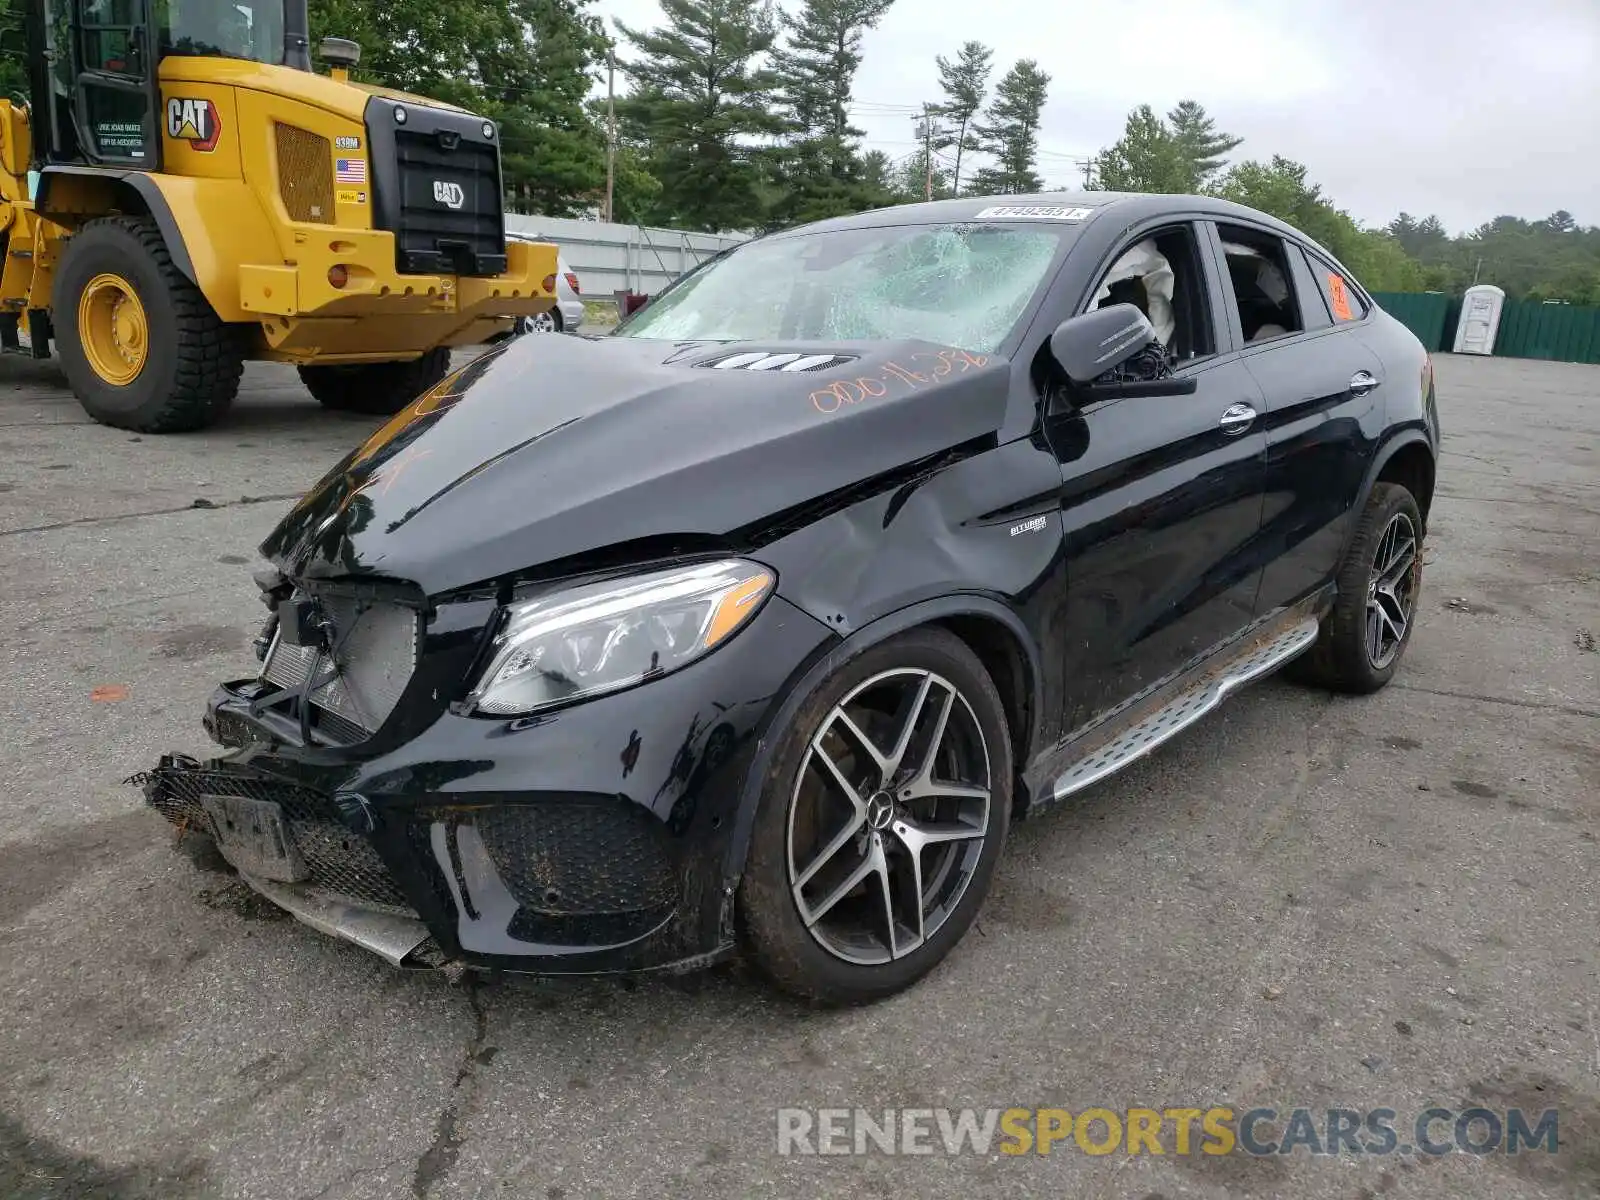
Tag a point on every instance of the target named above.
point(524, 645)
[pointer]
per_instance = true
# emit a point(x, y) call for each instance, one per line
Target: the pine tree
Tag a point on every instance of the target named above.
point(699, 95)
point(877, 174)
point(818, 166)
point(1010, 132)
point(536, 80)
point(1147, 158)
point(965, 83)
point(913, 182)
point(1199, 144)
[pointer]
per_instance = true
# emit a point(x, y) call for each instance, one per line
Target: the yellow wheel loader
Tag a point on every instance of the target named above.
point(203, 198)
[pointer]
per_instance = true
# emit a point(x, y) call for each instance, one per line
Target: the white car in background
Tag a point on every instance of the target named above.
point(568, 312)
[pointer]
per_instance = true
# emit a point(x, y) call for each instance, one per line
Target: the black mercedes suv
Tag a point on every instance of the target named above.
point(752, 626)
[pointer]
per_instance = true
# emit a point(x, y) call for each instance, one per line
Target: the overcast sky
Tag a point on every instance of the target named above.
point(1463, 108)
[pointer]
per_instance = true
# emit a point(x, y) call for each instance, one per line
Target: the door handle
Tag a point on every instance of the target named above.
point(1362, 382)
point(1237, 419)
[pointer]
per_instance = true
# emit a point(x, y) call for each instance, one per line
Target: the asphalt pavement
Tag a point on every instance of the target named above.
point(1304, 901)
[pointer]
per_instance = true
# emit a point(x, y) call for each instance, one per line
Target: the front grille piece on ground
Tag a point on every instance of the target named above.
point(376, 658)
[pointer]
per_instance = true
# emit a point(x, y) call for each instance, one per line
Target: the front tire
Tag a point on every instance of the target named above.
point(376, 389)
point(1363, 639)
point(884, 815)
point(141, 346)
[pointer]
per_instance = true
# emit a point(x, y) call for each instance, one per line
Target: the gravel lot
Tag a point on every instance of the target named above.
point(1306, 900)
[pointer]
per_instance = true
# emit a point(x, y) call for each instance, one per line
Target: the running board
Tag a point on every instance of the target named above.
point(1184, 709)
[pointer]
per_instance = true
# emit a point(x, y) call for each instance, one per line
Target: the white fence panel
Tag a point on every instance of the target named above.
point(609, 258)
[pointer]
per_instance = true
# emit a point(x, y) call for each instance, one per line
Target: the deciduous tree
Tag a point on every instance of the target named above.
point(13, 50)
point(1147, 158)
point(527, 64)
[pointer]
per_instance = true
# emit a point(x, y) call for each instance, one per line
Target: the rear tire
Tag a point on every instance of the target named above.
point(141, 346)
point(1360, 647)
point(376, 389)
point(862, 942)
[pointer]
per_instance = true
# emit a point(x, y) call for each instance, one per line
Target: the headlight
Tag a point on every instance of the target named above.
point(605, 636)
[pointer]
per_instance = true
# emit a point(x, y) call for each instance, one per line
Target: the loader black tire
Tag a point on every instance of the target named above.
point(376, 389)
point(192, 359)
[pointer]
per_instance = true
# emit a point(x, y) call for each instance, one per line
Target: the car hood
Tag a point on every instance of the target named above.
point(551, 448)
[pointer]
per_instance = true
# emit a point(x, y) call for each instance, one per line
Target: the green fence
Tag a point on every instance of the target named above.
point(1528, 329)
point(1423, 313)
point(1563, 332)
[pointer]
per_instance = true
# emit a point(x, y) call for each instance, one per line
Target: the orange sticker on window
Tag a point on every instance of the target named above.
point(1340, 298)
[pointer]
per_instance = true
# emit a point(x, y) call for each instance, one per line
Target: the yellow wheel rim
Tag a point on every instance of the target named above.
point(112, 328)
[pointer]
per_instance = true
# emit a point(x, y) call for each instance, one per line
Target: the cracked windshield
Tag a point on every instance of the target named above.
point(958, 285)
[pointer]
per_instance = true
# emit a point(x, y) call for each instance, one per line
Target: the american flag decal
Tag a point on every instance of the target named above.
point(350, 170)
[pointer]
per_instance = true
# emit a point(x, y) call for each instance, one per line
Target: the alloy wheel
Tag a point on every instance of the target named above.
point(889, 816)
point(538, 323)
point(1392, 591)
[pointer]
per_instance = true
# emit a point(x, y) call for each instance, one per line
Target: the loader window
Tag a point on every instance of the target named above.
point(117, 122)
point(109, 43)
point(112, 88)
point(250, 29)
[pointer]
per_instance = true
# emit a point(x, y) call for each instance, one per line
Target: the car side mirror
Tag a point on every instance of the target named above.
point(1089, 345)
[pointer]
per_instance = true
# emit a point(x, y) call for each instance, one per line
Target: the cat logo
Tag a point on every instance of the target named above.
point(194, 121)
point(450, 195)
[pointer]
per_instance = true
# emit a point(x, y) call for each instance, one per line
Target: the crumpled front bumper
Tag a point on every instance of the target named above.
point(342, 886)
point(605, 837)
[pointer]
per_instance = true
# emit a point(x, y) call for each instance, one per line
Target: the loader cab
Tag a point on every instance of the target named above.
point(94, 67)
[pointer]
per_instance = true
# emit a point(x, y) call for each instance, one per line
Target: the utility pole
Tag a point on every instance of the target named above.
point(611, 129)
point(929, 132)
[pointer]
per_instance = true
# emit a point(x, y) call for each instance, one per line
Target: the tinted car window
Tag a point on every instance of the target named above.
point(1344, 299)
point(962, 285)
point(1259, 278)
point(1313, 301)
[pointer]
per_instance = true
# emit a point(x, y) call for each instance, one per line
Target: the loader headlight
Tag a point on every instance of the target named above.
point(488, 130)
point(400, 115)
point(602, 637)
